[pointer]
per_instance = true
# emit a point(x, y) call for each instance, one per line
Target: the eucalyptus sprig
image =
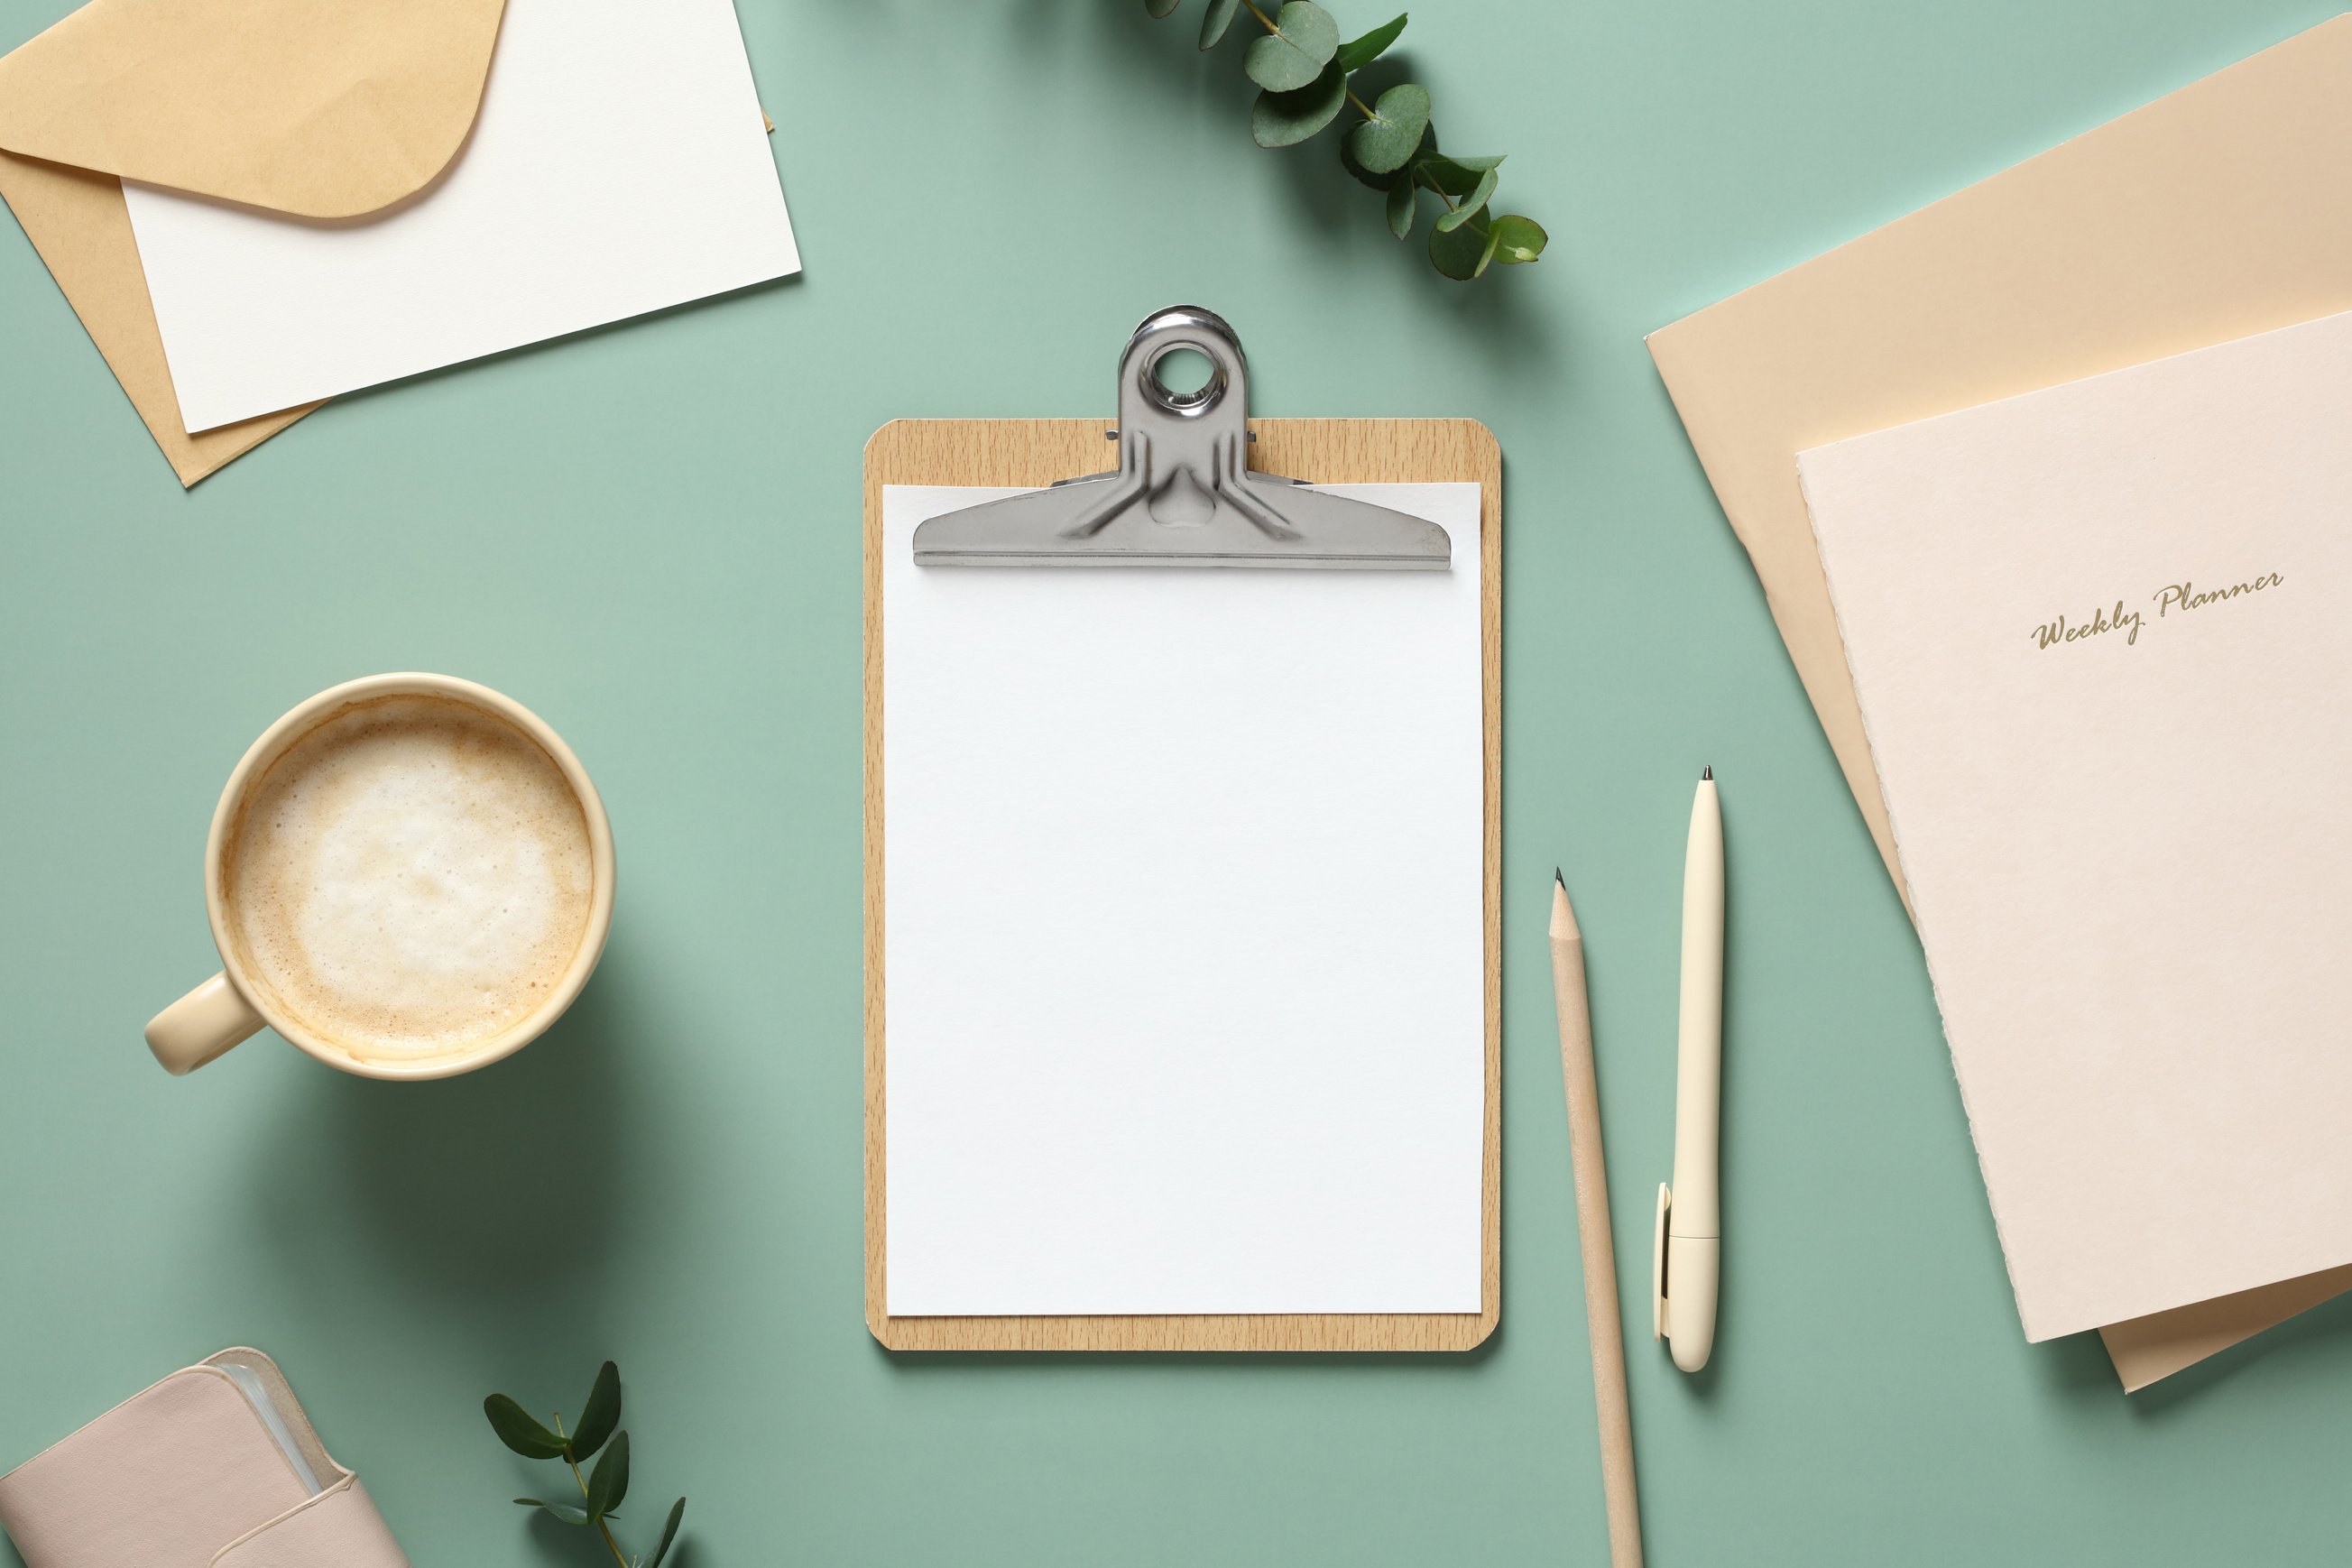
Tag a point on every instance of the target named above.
point(1302, 69)
point(600, 1491)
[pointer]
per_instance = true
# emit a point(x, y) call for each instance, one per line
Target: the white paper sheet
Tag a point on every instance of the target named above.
point(2099, 636)
point(1184, 931)
point(619, 166)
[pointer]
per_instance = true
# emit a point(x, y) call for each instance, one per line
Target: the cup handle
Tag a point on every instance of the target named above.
point(201, 1026)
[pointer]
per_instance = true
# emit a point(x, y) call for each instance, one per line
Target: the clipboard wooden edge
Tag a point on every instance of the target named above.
point(1037, 452)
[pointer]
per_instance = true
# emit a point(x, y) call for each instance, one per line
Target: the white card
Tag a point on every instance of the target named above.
point(1184, 910)
point(619, 166)
point(2099, 636)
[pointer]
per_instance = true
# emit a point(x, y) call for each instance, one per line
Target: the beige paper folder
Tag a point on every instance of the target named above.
point(2220, 211)
point(312, 111)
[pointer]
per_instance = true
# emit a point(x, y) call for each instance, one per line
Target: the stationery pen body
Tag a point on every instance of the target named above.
point(1694, 1216)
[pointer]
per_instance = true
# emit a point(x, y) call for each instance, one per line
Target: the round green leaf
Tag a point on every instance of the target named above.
point(1286, 119)
point(518, 1431)
point(1518, 239)
point(1463, 252)
point(1472, 203)
point(609, 1482)
point(1159, 8)
point(1355, 56)
point(599, 1415)
point(1303, 41)
point(1220, 16)
point(1364, 176)
point(569, 1512)
point(1404, 205)
point(1389, 137)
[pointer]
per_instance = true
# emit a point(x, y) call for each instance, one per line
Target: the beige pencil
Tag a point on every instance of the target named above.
point(1593, 1230)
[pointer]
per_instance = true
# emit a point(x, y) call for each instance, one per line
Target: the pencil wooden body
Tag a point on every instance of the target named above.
point(1594, 1236)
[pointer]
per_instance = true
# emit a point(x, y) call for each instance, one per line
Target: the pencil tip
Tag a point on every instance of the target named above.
point(1705, 774)
point(1563, 915)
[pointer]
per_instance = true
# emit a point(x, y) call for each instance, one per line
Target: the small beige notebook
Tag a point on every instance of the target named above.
point(216, 1466)
point(2099, 638)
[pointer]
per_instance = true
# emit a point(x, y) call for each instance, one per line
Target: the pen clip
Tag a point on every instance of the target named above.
point(1658, 1266)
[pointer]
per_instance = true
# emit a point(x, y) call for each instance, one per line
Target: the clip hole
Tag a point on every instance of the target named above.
point(1183, 380)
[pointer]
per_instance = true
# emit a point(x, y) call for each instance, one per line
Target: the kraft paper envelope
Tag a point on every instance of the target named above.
point(292, 106)
point(2223, 210)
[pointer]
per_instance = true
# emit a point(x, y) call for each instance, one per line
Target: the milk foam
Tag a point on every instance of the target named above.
point(412, 877)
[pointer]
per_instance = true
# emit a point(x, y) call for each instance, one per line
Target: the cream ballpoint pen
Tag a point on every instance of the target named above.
point(1687, 1252)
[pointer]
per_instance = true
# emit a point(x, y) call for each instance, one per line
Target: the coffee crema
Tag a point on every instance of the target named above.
point(411, 877)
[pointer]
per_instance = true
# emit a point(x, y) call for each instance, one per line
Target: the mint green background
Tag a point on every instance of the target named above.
point(650, 534)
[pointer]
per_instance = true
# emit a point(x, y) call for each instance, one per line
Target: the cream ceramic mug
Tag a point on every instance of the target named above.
point(408, 877)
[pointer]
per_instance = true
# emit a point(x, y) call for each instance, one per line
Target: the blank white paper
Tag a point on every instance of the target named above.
point(619, 166)
point(1184, 928)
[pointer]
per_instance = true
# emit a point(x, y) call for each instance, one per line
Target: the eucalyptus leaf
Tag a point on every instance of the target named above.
point(1404, 205)
point(1364, 176)
point(1303, 41)
point(1286, 119)
point(1355, 56)
point(1494, 242)
point(1475, 202)
point(518, 1431)
point(1463, 252)
point(1302, 68)
point(609, 1482)
point(1220, 16)
point(569, 1512)
point(1392, 134)
point(599, 1417)
point(1518, 239)
point(1451, 176)
point(669, 1534)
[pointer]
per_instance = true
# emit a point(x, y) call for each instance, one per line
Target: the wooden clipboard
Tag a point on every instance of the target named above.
point(1037, 452)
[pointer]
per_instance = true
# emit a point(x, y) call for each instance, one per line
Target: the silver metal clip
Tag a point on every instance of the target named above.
point(1183, 494)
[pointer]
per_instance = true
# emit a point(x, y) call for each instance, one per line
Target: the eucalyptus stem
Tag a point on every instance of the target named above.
point(1302, 72)
point(602, 1528)
point(596, 1435)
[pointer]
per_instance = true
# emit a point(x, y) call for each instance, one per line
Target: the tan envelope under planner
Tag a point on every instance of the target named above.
point(310, 111)
point(2223, 210)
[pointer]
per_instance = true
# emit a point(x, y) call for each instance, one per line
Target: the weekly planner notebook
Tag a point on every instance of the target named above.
point(2215, 212)
point(2098, 635)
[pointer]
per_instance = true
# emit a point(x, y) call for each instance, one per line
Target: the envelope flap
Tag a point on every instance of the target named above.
point(319, 111)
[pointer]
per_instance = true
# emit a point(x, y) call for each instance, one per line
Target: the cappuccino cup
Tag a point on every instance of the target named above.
point(407, 876)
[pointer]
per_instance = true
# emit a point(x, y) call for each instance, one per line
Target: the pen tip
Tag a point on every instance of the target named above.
point(1558, 877)
point(1705, 774)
